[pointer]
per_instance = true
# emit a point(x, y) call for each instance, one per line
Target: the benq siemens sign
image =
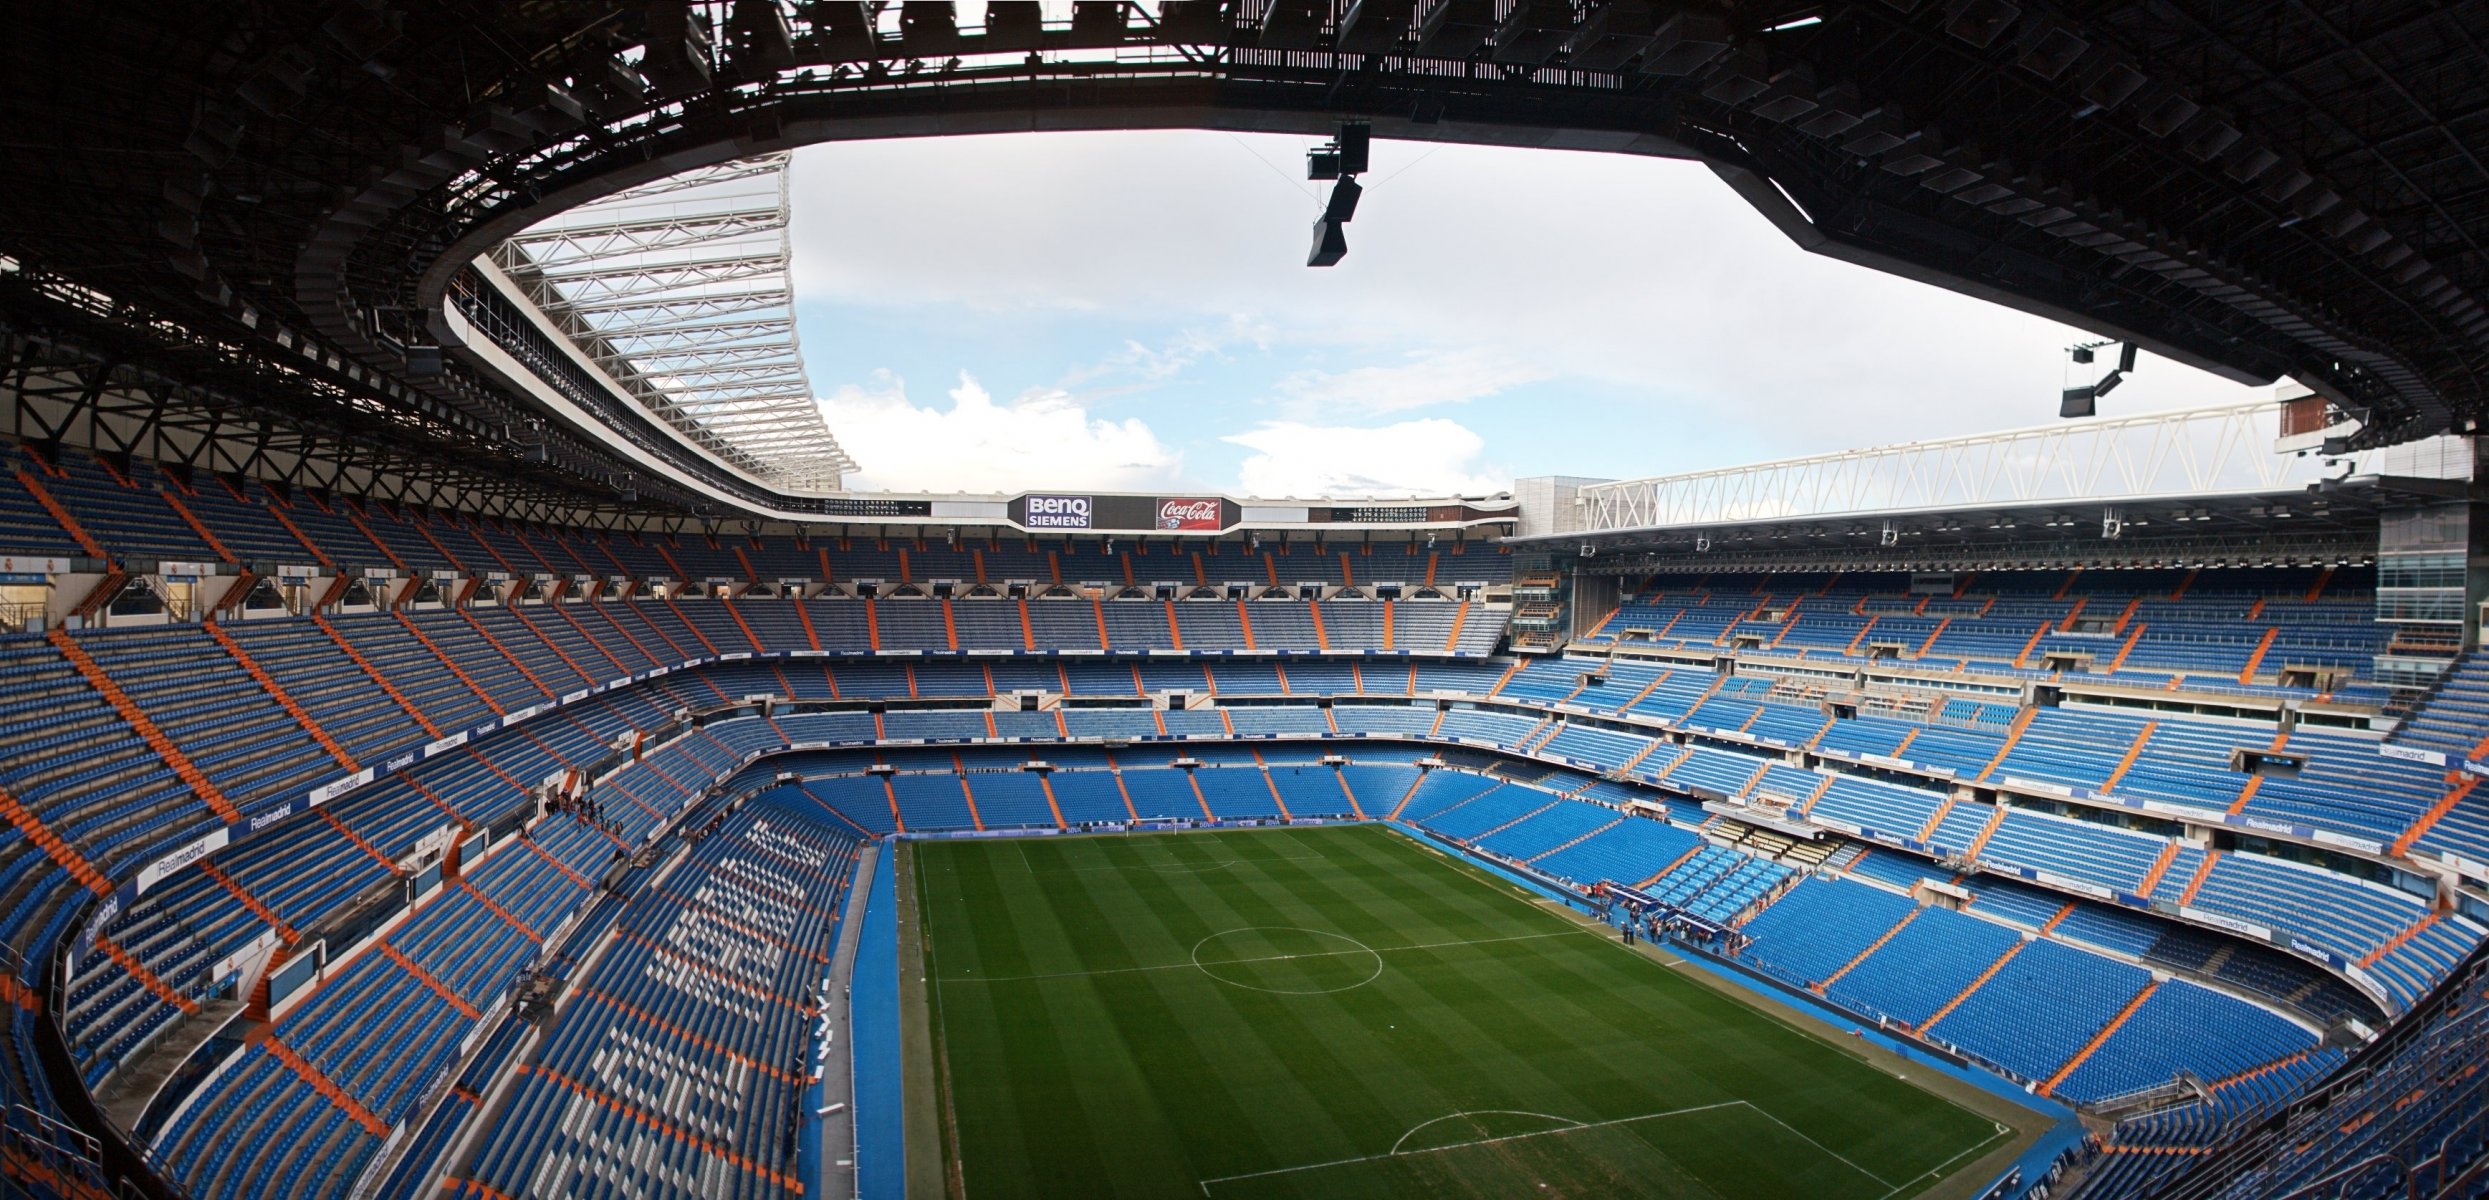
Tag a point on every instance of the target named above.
point(1057, 512)
point(1124, 514)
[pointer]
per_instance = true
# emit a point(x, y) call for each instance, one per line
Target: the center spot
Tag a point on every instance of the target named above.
point(1287, 960)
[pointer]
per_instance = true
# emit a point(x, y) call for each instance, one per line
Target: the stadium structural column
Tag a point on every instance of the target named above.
point(803, 614)
point(285, 931)
point(1979, 843)
point(172, 500)
point(1936, 820)
point(549, 690)
point(1121, 791)
point(497, 910)
point(137, 719)
point(1822, 785)
point(1410, 794)
point(1572, 842)
point(2013, 735)
point(2247, 674)
point(2455, 795)
point(309, 547)
point(586, 676)
point(430, 981)
point(2395, 942)
point(2101, 1038)
point(2159, 868)
point(563, 611)
point(1349, 792)
point(146, 978)
point(69, 524)
point(268, 684)
point(2133, 752)
point(697, 633)
point(2119, 662)
point(446, 661)
point(736, 611)
point(968, 794)
point(1272, 783)
point(1975, 984)
point(360, 843)
point(1679, 861)
point(61, 852)
point(323, 1085)
point(1047, 786)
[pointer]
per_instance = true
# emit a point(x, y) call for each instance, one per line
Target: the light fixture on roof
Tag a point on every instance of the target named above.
point(2082, 401)
point(1343, 158)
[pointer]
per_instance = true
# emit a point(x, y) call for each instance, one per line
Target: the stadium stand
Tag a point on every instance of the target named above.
point(2119, 931)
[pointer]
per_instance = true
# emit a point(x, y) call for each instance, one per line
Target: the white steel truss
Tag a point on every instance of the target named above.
point(2226, 449)
point(679, 291)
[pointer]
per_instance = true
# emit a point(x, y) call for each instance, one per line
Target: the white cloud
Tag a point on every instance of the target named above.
point(1041, 440)
point(1702, 328)
point(1422, 380)
point(1429, 457)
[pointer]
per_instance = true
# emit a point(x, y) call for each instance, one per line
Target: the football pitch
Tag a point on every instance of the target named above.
point(1341, 1012)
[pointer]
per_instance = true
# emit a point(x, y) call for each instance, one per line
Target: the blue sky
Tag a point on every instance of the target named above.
point(1132, 311)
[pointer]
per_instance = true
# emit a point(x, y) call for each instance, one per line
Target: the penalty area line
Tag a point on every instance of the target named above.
point(1576, 1127)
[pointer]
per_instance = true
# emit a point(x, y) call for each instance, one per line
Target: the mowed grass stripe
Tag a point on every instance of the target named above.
point(1087, 1056)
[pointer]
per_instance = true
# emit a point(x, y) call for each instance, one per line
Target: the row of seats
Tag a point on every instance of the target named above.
point(682, 1050)
point(139, 514)
point(2078, 1024)
point(2226, 628)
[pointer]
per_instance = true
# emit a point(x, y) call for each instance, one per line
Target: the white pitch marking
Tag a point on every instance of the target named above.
point(1361, 946)
point(1524, 937)
point(1509, 1137)
point(1479, 1112)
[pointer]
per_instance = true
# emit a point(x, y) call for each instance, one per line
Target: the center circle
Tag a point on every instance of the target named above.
point(1287, 959)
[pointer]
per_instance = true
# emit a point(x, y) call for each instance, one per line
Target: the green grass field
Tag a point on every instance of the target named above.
point(1343, 1013)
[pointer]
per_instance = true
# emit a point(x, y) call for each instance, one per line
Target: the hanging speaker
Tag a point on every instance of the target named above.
point(1330, 244)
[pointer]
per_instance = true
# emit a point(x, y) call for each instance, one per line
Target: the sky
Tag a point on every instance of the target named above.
point(1131, 311)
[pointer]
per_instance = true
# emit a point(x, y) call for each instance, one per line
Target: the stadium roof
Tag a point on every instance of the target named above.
point(2261, 189)
point(2208, 485)
point(679, 291)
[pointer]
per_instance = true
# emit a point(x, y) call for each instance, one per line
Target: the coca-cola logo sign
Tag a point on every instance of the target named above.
point(1188, 512)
